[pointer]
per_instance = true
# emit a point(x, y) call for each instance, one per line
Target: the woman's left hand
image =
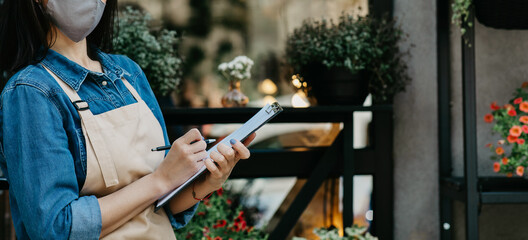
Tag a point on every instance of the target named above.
point(226, 158)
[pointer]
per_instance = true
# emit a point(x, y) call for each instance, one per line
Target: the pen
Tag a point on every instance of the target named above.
point(207, 141)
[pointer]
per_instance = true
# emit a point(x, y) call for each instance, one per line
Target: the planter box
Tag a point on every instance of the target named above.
point(502, 14)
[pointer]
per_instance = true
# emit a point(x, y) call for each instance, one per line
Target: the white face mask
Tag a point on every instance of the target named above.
point(76, 18)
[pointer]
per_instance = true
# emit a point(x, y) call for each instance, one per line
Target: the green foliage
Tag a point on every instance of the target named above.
point(460, 14)
point(154, 50)
point(356, 43)
point(218, 218)
point(351, 233)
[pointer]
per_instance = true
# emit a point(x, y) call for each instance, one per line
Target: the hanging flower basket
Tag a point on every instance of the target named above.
point(502, 14)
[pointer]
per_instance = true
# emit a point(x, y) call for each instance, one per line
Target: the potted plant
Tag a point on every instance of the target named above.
point(221, 217)
point(510, 153)
point(155, 50)
point(235, 71)
point(501, 14)
point(351, 233)
point(344, 61)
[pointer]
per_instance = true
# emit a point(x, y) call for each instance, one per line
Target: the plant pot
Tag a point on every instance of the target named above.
point(502, 14)
point(336, 86)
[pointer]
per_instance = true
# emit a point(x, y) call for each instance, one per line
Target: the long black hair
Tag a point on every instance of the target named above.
point(24, 29)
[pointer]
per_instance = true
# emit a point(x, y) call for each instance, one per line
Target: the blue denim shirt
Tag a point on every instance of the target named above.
point(42, 147)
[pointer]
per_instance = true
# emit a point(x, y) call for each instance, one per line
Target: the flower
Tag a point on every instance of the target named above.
point(220, 191)
point(519, 171)
point(488, 118)
point(512, 139)
point(509, 107)
point(494, 106)
point(512, 112)
point(524, 119)
point(489, 145)
point(500, 142)
point(238, 69)
point(516, 131)
point(525, 128)
point(499, 150)
point(524, 84)
point(496, 167)
point(520, 141)
point(517, 100)
point(217, 238)
point(524, 107)
point(505, 160)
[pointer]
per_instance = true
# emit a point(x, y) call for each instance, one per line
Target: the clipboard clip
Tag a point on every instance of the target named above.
point(273, 108)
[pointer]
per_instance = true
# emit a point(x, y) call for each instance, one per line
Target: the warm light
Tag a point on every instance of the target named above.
point(296, 83)
point(268, 87)
point(269, 99)
point(299, 100)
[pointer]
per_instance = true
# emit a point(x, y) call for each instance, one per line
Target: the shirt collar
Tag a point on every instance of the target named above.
point(74, 74)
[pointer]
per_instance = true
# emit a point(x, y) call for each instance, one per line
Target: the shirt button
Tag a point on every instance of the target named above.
point(104, 83)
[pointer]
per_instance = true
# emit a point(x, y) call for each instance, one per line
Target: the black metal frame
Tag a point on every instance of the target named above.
point(469, 189)
point(317, 164)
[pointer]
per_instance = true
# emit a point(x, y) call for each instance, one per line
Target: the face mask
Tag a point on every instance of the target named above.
point(76, 18)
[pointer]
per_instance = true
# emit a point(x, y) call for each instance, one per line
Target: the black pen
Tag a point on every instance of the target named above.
point(207, 141)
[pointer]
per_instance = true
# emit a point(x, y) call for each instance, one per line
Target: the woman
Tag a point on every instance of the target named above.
point(77, 126)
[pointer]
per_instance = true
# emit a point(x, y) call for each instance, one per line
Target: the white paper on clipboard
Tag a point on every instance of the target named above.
point(253, 124)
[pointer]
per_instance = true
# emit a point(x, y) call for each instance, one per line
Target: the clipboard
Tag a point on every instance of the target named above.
point(252, 125)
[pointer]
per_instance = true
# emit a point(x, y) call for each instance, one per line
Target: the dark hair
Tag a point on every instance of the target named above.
point(24, 28)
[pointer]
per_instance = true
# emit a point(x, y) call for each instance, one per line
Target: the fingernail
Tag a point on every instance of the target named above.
point(211, 160)
point(232, 141)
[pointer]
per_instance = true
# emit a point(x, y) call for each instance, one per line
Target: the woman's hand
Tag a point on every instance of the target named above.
point(183, 159)
point(225, 158)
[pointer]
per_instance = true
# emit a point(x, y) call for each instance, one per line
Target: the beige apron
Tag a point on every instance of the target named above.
point(118, 144)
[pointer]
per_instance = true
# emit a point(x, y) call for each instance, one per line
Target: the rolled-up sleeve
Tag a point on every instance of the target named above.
point(181, 219)
point(40, 168)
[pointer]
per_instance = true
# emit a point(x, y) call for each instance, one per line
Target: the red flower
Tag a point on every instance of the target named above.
point(517, 100)
point(189, 235)
point(240, 214)
point(494, 106)
point(499, 150)
point(525, 128)
point(520, 141)
point(512, 139)
point(496, 167)
point(512, 112)
point(201, 214)
point(505, 160)
point(229, 201)
point(488, 118)
point(524, 106)
point(519, 171)
point(220, 223)
point(515, 131)
point(489, 145)
point(509, 174)
point(217, 238)
point(220, 191)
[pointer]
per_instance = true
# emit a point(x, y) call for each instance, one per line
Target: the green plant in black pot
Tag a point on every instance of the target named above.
point(344, 61)
point(155, 50)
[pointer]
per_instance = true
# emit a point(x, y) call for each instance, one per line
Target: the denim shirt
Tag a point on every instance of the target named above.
point(42, 147)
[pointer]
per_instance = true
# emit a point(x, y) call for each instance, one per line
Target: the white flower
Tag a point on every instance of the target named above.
point(222, 67)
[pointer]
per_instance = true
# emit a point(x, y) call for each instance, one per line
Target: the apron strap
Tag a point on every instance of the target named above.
point(102, 154)
point(131, 89)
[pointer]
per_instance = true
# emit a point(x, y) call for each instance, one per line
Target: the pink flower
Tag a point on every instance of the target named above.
point(525, 128)
point(515, 131)
point(520, 141)
point(519, 171)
